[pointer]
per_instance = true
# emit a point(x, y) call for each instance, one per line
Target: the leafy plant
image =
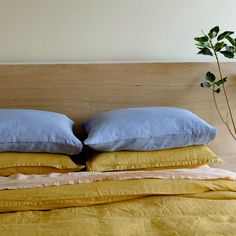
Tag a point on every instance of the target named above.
point(213, 44)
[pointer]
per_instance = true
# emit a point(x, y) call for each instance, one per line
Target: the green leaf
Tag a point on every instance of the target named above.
point(214, 32)
point(217, 90)
point(201, 39)
point(231, 40)
point(210, 76)
point(224, 35)
point(205, 51)
point(221, 81)
point(202, 44)
point(227, 54)
point(219, 46)
point(205, 85)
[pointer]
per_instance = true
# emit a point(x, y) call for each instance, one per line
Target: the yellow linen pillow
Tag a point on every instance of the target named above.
point(35, 163)
point(185, 157)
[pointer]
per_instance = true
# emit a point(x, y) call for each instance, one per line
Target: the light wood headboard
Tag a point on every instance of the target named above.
point(81, 91)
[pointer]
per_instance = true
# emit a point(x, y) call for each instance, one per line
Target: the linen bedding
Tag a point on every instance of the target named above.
point(200, 201)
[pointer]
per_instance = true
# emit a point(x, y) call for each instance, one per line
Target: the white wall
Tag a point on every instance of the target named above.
point(108, 30)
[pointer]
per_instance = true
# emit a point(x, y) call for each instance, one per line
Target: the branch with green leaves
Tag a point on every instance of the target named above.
point(214, 44)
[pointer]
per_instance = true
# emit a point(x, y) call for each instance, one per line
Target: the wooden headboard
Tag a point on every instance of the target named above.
point(81, 91)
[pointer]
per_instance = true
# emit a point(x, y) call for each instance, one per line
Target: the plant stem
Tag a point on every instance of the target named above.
point(226, 97)
point(225, 94)
point(218, 110)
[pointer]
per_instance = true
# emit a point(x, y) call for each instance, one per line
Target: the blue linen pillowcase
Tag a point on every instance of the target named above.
point(144, 129)
point(37, 131)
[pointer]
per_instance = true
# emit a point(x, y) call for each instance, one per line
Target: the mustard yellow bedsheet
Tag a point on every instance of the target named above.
point(130, 207)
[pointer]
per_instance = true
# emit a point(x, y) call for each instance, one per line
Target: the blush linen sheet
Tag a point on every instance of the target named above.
point(199, 201)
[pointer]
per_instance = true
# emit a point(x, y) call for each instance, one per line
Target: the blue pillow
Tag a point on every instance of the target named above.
point(144, 129)
point(37, 131)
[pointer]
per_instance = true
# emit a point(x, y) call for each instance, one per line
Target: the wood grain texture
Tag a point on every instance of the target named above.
point(81, 91)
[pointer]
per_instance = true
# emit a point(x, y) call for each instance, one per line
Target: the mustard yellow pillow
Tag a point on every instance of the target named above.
point(35, 163)
point(186, 157)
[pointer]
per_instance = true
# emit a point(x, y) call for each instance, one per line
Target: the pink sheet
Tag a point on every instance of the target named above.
point(19, 181)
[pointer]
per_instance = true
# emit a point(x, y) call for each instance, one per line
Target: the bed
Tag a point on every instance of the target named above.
point(201, 201)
